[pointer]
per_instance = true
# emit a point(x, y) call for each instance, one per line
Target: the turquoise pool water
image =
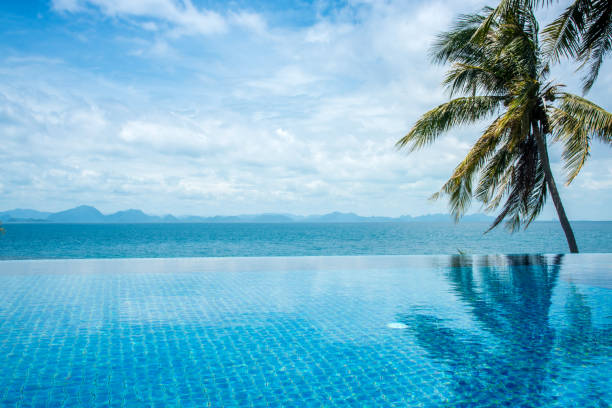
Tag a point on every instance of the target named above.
point(532, 331)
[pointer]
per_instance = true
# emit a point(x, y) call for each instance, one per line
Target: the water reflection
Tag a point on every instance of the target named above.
point(511, 353)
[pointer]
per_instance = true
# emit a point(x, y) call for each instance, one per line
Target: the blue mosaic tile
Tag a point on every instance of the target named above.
point(349, 331)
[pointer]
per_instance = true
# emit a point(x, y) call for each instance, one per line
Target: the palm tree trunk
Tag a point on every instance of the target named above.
point(554, 193)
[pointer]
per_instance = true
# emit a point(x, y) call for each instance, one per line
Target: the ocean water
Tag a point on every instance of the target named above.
point(403, 331)
point(40, 241)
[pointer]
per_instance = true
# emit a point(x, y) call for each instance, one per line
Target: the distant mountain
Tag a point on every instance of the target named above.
point(23, 214)
point(271, 218)
point(78, 215)
point(477, 218)
point(131, 216)
point(89, 214)
point(345, 217)
point(433, 218)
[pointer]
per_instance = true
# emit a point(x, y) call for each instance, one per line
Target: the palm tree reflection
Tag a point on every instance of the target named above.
point(511, 355)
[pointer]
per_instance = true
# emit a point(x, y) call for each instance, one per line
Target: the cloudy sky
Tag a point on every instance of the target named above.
point(205, 107)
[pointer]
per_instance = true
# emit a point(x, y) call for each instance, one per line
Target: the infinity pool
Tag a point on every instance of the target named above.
point(531, 331)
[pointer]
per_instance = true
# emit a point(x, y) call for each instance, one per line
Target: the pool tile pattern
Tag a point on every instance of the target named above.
point(476, 332)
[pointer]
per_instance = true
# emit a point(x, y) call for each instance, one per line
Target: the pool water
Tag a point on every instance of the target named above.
point(483, 331)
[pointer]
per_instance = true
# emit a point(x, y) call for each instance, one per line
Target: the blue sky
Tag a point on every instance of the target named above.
point(208, 107)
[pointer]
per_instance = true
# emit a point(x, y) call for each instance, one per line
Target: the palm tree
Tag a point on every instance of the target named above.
point(503, 75)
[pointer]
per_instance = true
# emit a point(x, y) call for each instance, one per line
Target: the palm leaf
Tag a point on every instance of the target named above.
point(562, 37)
point(466, 79)
point(459, 187)
point(584, 32)
point(457, 112)
point(597, 40)
point(575, 122)
point(455, 45)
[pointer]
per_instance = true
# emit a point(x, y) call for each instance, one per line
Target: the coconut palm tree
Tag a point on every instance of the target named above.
point(503, 76)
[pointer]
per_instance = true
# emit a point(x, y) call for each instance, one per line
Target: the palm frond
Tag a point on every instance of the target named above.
point(524, 189)
point(506, 8)
point(584, 32)
point(574, 123)
point(470, 79)
point(597, 40)
point(459, 187)
point(457, 112)
point(516, 43)
point(455, 45)
point(494, 179)
point(562, 37)
point(489, 21)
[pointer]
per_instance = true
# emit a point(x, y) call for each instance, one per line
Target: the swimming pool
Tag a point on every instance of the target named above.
point(312, 331)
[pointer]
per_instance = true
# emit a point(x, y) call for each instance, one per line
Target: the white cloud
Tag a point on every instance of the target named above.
point(169, 139)
point(150, 26)
point(252, 21)
point(183, 16)
point(289, 80)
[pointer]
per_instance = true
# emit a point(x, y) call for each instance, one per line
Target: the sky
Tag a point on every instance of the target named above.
point(239, 107)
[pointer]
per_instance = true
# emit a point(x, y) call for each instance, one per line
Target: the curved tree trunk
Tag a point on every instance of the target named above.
point(554, 193)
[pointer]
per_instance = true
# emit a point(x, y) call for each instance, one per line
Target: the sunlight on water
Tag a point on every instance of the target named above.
point(396, 325)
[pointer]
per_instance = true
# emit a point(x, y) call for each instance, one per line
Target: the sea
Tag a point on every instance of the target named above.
point(62, 241)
